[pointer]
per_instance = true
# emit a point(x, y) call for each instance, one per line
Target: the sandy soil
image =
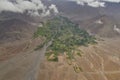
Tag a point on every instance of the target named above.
point(99, 62)
point(23, 62)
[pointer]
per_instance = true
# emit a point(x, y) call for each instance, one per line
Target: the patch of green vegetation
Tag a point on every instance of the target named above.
point(52, 56)
point(65, 34)
point(79, 54)
point(77, 69)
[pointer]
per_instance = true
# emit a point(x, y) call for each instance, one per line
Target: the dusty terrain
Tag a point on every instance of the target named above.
point(98, 62)
point(103, 26)
point(20, 61)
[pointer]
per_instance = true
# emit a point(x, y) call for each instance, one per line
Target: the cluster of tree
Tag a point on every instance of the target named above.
point(65, 34)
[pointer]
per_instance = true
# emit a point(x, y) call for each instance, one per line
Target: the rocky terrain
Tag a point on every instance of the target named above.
point(104, 26)
point(17, 27)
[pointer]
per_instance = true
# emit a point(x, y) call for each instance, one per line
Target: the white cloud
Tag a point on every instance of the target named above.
point(32, 7)
point(115, 1)
point(94, 3)
point(8, 6)
point(54, 8)
point(97, 4)
point(116, 29)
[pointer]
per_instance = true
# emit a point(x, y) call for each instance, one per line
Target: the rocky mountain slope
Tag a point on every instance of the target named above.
point(104, 26)
point(16, 27)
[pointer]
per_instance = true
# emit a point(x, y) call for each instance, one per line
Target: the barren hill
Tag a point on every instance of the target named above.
point(104, 26)
point(16, 27)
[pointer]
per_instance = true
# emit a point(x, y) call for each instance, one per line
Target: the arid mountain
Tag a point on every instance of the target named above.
point(74, 11)
point(15, 26)
point(78, 12)
point(89, 18)
point(104, 26)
